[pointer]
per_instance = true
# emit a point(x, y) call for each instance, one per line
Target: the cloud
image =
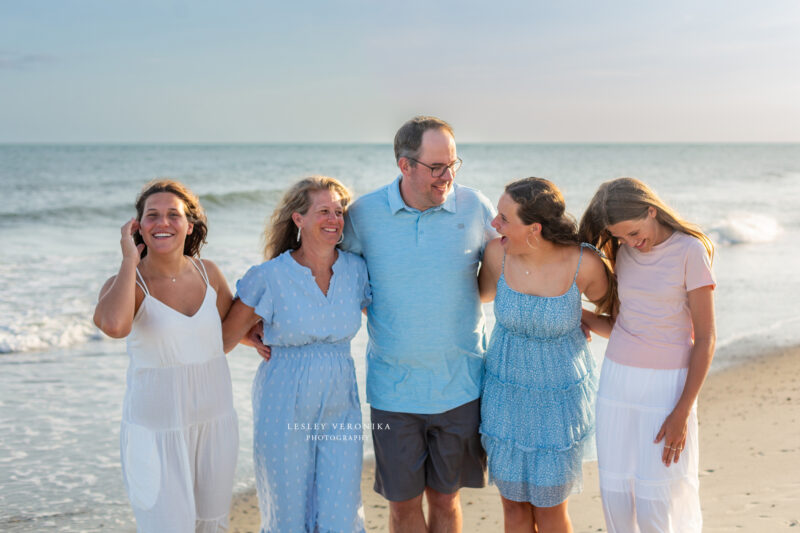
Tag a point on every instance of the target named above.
point(23, 61)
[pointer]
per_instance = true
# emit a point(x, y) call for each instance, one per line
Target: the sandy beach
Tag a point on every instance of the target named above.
point(749, 463)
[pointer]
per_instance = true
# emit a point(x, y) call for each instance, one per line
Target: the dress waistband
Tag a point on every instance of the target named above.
point(567, 336)
point(319, 349)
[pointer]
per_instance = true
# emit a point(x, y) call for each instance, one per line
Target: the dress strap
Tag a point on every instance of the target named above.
point(140, 282)
point(580, 257)
point(201, 268)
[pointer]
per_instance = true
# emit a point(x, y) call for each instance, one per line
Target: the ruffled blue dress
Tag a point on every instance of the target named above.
point(537, 407)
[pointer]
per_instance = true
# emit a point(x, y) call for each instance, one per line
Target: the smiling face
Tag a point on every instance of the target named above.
point(419, 188)
point(514, 233)
point(641, 233)
point(164, 225)
point(323, 223)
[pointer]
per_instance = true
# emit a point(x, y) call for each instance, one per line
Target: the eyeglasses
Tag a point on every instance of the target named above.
point(437, 171)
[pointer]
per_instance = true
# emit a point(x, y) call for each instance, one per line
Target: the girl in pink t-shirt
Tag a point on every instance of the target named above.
point(661, 341)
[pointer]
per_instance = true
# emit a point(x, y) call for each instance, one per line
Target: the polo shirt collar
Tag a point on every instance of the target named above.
point(396, 202)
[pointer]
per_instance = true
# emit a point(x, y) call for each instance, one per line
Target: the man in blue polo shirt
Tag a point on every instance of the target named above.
point(422, 237)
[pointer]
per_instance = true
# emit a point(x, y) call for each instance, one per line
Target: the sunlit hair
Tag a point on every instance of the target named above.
point(408, 139)
point(630, 199)
point(280, 233)
point(191, 207)
point(540, 201)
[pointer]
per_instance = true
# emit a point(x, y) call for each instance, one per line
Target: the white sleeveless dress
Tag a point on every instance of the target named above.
point(179, 436)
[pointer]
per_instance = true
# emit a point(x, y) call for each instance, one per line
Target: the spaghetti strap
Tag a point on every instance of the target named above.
point(201, 268)
point(580, 258)
point(140, 282)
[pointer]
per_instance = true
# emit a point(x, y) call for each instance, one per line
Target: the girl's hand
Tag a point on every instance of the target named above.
point(587, 331)
point(255, 337)
point(673, 432)
point(130, 250)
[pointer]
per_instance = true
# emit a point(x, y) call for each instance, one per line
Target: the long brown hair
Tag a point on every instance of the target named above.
point(540, 201)
point(191, 207)
point(280, 234)
point(630, 199)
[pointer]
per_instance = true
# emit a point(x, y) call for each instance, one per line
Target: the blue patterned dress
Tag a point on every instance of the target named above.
point(537, 407)
point(307, 443)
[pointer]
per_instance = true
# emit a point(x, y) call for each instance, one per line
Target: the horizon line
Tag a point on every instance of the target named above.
point(375, 143)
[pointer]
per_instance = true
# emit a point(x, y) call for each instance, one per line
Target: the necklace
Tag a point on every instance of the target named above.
point(176, 274)
point(174, 277)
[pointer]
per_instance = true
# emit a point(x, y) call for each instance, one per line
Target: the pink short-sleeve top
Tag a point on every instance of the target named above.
point(654, 325)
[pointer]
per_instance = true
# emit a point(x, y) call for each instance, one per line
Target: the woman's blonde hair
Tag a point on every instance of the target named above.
point(630, 199)
point(280, 233)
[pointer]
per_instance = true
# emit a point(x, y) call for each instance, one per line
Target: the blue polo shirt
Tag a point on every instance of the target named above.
point(426, 326)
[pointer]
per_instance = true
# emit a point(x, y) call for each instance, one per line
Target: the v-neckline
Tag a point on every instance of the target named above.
point(202, 304)
point(310, 275)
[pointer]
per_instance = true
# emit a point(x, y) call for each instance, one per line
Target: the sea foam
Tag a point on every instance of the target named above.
point(745, 228)
point(47, 333)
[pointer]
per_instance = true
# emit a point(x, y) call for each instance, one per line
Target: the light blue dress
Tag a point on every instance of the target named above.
point(306, 414)
point(537, 407)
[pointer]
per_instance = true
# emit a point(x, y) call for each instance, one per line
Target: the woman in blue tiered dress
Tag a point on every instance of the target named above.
point(306, 414)
point(537, 413)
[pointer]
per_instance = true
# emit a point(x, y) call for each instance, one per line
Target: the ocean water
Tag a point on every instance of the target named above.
point(62, 381)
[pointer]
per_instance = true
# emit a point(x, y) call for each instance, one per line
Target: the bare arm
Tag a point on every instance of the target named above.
point(593, 283)
point(116, 305)
point(491, 267)
point(237, 323)
point(220, 284)
point(600, 324)
point(673, 430)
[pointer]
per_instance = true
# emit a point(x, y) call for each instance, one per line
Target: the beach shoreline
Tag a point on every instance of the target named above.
point(749, 422)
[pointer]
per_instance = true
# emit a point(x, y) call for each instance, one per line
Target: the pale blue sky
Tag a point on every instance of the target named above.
point(353, 71)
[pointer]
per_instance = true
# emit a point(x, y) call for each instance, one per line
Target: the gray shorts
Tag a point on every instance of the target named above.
point(442, 451)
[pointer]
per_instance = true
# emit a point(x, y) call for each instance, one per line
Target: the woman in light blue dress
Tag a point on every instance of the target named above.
point(537, 406)
point(306, 413)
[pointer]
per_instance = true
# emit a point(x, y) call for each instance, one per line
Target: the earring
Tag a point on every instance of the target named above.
point(341, 239)
point(528, 242)
point(298, 234)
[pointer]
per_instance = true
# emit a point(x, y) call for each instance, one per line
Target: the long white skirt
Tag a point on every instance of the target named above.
point(640, 493)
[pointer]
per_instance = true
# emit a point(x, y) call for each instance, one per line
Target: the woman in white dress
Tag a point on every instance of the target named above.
point(179, 435)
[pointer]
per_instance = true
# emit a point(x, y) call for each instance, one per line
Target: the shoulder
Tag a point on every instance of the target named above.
point(591, 263)
point(110, 281)
point(689, 246)
point(692, 243)
point(266, 268)
point(351, 260)
point(214, 273)
point(107, 285)
point(591, 257)
point(372, 199)
point(493, 255)
point(473, 205)
point(468, 194)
